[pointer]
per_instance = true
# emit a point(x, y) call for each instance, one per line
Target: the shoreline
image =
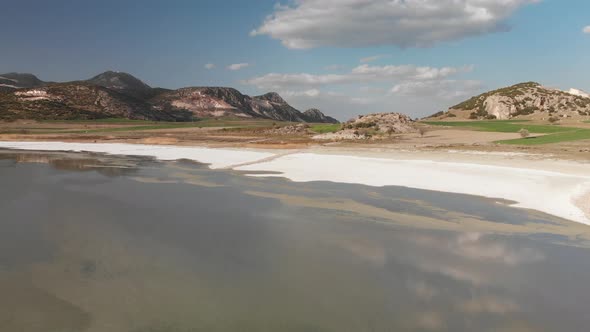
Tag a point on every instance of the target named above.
point(557, 187)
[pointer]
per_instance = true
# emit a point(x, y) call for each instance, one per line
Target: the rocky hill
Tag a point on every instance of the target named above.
point(122, 82)
point(116, 94)
point(74, 101)
point(525, 100)
point(13, 81)
point(315, 115)
point(372, 126)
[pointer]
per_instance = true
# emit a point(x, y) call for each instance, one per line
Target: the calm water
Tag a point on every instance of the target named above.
point(95, 243)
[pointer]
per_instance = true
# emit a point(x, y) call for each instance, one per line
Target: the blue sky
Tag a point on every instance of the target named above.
point(312, 60)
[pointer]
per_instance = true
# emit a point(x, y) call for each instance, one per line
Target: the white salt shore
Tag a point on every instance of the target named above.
point(557, 191)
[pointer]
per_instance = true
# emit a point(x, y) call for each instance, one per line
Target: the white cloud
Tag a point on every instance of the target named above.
point(405, 23)
point(586, 29)
point(361, 74)
point(445, 89)
point(371, 58)
point(238, 66)
point(419, 91)
point(306, 93)
point(210, 66)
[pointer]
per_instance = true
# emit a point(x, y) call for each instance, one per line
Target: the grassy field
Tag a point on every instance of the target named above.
point(555, 133)
point(141, 125)
point(504, 126)
point(326, 128)
point(99, 121)
point(567, 136)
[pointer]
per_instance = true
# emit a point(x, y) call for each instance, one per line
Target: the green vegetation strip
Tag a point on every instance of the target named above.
point(567, 136)
point(326, 128)
point(555, 133)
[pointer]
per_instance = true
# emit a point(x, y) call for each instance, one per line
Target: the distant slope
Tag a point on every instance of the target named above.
point(315, 115)
point(122, 82)
point(73, 101)
point(222, 101)
point(11, 81)
point(117, 94)
point(525, 100)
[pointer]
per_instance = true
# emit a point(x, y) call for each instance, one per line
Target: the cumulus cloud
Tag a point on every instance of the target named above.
point(372, 88)
point(361, 74)
point(405, 23)
point(445, 89)
point(210, 66)
point(586, 29)
point(238, 66)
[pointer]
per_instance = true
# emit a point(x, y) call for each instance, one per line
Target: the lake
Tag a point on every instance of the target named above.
point(91, 242)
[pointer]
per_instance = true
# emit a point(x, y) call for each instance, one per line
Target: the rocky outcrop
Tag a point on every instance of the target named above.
point(298, 129)
point(523, 100)
point(372, 126)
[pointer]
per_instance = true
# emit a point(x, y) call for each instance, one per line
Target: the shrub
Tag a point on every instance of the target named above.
point(524, 133)
point(553, 119)
point(422, 131)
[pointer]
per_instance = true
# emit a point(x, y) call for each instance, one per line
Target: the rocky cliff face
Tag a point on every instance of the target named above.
point(115, 94)
point(525, 100)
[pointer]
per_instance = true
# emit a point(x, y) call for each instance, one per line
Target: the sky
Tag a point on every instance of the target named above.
point(345, 57)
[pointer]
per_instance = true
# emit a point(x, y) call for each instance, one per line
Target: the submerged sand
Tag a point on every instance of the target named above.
point(555, 187)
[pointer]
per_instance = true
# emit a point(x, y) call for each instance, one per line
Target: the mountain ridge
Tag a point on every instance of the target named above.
point(123, 95)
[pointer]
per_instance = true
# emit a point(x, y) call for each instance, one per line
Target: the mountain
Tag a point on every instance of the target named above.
point(73, 101)
point(122, 82)
point(220, 101)
point(315, 115)
point(116, 94)
point(525, 100)
point(12, 81)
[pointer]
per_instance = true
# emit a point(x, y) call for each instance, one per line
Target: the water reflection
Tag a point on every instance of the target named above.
point(103, 164)
point(178, 247)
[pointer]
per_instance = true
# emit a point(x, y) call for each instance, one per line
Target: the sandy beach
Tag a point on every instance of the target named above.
point(557, 187)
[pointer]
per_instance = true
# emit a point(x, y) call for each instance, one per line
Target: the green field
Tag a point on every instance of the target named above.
point(567, 136)
point(555, 133)
point(326, 128)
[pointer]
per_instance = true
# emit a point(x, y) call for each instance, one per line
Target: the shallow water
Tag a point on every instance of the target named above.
point(97, 243)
